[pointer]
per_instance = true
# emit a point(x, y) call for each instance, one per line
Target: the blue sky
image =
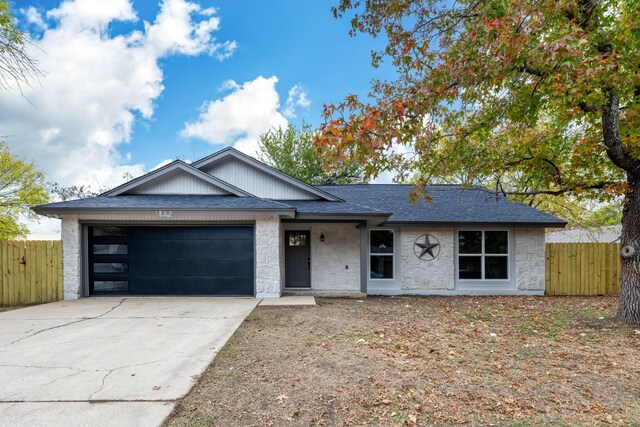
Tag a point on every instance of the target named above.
point(130, 85)
point(299, 43)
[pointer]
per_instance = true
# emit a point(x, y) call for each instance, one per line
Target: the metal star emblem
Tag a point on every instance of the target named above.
point(427, 246)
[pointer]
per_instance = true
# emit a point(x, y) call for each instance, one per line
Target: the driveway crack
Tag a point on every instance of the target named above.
point(84, 319)
point(101, 385)
point(5, 397)
point(111, 309)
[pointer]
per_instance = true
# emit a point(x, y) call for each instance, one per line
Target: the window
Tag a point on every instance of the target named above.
point(110, 267)
point(110, 249)
point(297, 239)
point(110, 230)
point(381, 254)
point(483, 255)
point(110, 286)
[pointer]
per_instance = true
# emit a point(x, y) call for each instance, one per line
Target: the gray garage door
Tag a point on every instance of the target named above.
point(171, 260)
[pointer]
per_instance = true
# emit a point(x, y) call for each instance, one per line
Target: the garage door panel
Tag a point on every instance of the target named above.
point(181, 260)
point(190, 268)
point(173, 249)
point(194, 286)
point(192, 233)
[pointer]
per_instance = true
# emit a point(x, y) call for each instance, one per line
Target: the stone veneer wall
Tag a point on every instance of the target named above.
point(268, 273)
point(418, 274)
point(530, 259)
point(330, 259)
point(71, 254)
point(268, 266)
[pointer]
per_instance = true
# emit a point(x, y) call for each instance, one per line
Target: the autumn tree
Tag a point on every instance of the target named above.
point(291, 151)
point(541, 96)
point(21, 186)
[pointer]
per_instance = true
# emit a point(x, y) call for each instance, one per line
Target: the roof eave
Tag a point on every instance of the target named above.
point(529, 224)
point(59, 212)
point(374, 219)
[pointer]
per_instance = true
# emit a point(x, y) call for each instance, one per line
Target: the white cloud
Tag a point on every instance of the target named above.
point(297, 97)
point(34, 17)
point(91, 15)
point(95, 84)
point(239, 117)
point(43, 228)
point(161, 164)
point(384, 177)
point(85, 107)
point(175, 31)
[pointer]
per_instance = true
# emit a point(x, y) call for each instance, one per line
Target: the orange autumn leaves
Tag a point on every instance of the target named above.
point(492, 90)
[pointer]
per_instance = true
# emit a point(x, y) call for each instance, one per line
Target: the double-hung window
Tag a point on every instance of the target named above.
point(483, 255)
point(381, 254)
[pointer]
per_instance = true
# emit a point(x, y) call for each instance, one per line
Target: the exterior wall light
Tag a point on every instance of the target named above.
point(322, 237)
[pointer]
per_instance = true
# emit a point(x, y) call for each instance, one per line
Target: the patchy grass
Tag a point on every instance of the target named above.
point(516, 361)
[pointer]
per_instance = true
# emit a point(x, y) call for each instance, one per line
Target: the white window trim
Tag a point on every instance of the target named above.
point(479, 283)
point(392, 254)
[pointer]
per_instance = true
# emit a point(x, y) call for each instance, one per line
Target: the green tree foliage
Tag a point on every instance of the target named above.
point(291, 151)
point(21, 187)
point(16, 66)
point(540, 96)
point(608, 214)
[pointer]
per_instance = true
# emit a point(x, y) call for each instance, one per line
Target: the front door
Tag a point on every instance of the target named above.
point(297, 259)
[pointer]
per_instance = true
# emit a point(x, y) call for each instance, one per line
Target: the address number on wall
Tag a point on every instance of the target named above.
point(164, 214)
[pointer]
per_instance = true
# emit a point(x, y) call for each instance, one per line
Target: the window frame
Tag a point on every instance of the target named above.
point(392, 255)
point(510, 256)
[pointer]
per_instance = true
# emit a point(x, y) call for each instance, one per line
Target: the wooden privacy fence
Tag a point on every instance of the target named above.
point(583, 269)
point(30, 271)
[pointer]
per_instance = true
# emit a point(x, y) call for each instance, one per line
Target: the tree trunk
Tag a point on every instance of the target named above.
point(629, 305)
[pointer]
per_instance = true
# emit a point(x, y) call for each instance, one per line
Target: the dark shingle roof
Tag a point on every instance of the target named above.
point(164, 202)
point(322, 207)
point(451, 204)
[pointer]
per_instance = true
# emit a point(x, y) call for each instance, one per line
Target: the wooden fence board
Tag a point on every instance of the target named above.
point(30, 272)
point(4, 275)
point(582, 269)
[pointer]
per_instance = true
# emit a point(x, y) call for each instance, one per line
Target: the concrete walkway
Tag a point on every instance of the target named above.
point(108, 361)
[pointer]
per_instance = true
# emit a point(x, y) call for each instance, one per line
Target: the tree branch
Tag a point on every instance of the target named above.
point(612, 138)
point(596, 186)
point(589, 108)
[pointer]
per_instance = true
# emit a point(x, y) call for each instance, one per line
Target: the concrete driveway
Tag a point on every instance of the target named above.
point(108, 361)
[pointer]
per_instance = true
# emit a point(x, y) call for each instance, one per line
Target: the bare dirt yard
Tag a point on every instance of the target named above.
point(514, 361)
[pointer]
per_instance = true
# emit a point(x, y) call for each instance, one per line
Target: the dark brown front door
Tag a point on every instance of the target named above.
point(297, 258)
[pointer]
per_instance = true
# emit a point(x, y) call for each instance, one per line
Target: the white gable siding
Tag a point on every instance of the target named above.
point(179, 183)
point(256, 182)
